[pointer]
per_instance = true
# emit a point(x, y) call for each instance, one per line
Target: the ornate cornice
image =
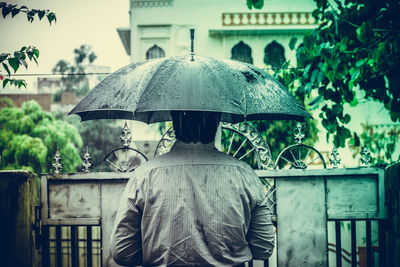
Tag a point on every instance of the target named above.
point(152, 3)
point(273, 18)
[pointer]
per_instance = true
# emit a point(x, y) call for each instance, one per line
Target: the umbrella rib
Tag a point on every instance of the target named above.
point(245, 140)
point(230, 144)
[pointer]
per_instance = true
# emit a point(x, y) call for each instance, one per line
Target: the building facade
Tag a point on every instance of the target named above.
point(223, 29)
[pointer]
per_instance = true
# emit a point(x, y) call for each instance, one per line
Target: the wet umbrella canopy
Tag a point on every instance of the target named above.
point(148, 91)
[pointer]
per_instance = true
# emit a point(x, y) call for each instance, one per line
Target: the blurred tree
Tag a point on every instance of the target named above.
point(381, 142)
point(29, 138)
point(355, 47)
point(18, 58)
point(73, 75)
point(100, 136)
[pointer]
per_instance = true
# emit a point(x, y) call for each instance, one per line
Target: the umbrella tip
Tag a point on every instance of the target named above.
point(192, 43)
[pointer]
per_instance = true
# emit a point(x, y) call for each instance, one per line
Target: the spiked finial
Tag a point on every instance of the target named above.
point(298, 134)
point(366, 158)
point(192, 43)
point(126, 137)
point(57, 165)
point(335, 158)
point(87, 163)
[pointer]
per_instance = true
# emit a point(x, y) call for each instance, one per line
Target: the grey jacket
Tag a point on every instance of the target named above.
point(192, 206)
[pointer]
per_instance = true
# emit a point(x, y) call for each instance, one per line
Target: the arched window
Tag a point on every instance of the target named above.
point(155, 52)
point(242, 52)
point(274, 54)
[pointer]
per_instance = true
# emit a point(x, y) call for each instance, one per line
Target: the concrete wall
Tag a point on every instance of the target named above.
point(18, 198)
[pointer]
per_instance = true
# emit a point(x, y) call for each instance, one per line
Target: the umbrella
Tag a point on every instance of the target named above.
point(148, 91)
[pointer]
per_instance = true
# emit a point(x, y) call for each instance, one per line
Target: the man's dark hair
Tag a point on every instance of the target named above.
point(195, 126)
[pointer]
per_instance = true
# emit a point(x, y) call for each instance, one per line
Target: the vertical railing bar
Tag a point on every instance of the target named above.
point(370, 261)
point(266, 263)
point(74, 247)
point(89, 246)
point(382, 242)
point(251, 263)
point(338, 244)
point(353, 244)
point(58, 246)
point(45, 246)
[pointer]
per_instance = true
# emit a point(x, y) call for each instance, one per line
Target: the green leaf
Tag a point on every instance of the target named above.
point(23, 62)
point(36, 52)
point(356, 139)
point(355, 74)
point(361, 32)
point(51, 17)
point(5, 82)
point(14, 63)
point(14, 12)
point(3, 56)
point(41, 13)
point(5, 11)
point(6, 68)
point(346, 119)
point(292, 43)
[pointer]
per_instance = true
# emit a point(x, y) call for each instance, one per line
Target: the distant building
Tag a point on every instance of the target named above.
point(228, 29)
point(224, 29)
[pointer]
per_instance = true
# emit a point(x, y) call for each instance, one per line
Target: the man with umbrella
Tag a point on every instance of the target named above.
point(194, 205)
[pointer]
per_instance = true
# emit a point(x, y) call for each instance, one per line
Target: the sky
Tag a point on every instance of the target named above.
point(79, 22)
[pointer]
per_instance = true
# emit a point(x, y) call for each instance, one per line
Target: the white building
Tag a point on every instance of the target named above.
point(223, 28)
point(228, 29)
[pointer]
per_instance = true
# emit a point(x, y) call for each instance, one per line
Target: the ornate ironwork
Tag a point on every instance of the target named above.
point(57, 165)
point(299, 155)
point(260, 147)
point(125, 158)
point(87, 161)
point(366, 158)
point(126, 137)
point(298, 133)
point(335, 158)
point(166, 142)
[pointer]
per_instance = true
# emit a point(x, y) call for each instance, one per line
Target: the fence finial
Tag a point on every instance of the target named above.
point(87, 163)
point(366, 158)
point(57, 165)
point(298, 134)
point(335, 158)
point(126, 137)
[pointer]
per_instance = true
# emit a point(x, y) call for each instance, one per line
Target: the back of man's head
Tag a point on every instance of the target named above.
point(195, 126)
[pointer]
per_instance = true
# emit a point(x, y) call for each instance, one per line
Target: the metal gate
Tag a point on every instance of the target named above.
point(323, 217)
point(307, 202)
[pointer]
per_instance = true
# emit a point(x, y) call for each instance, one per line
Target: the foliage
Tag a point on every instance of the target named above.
point(355, 47)
point(255, 3)
point(73, 75)
point(18, 58)
point(29, 138)
point(6, 102)
point(100, 136)
point(381, 141)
